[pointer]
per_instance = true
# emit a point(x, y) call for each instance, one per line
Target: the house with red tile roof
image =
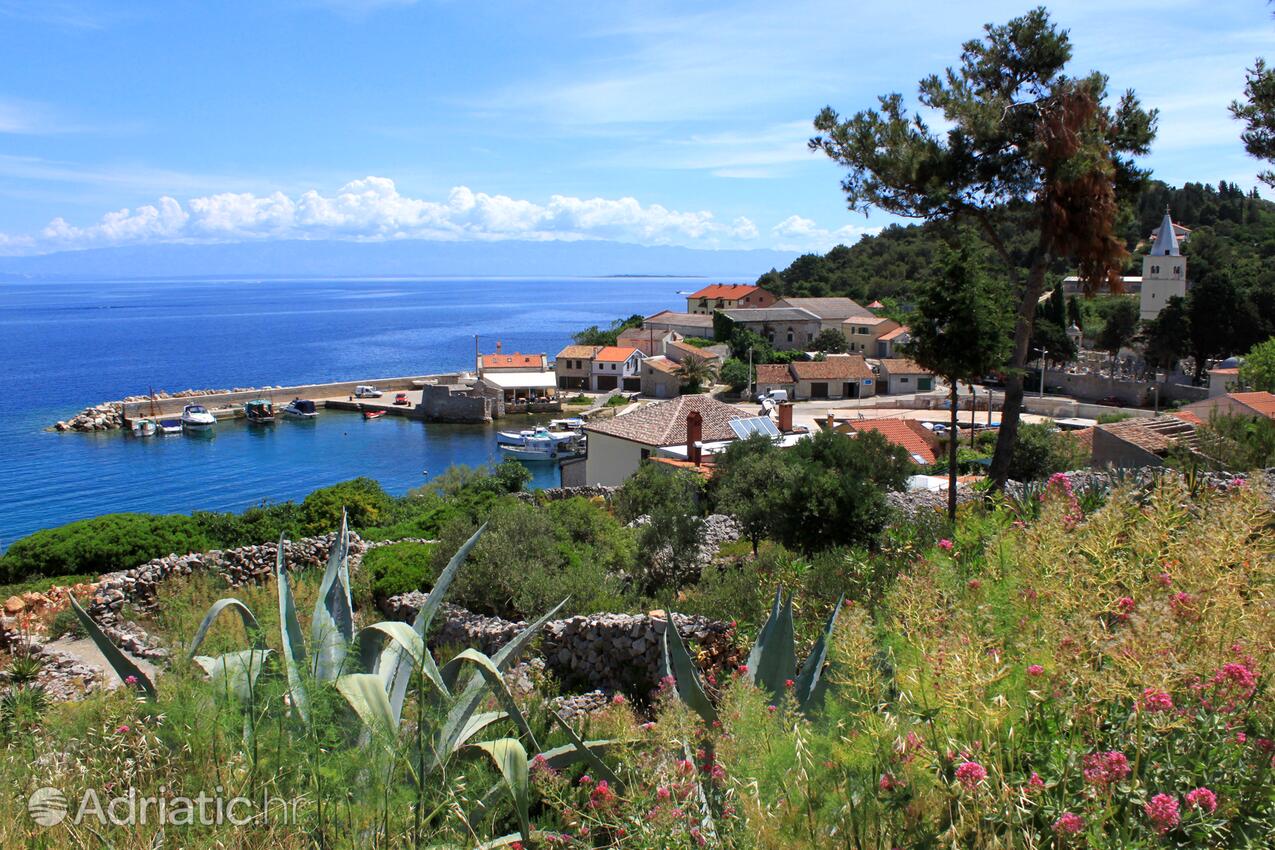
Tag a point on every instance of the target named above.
point(516, 362)
point(727, 296)
point(863, 332)
point(890, 343)
point(1254, 404)
point(1142, 441)
point(574, 367)
point(919, 442)
point(837, 376)
point(902, 375)
point(617, 367)
point(660, 378)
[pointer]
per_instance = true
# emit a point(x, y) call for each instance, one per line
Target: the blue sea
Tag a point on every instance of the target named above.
point(65, 345)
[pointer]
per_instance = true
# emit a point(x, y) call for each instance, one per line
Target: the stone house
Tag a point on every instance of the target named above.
point(727, 296)
point(890, 343)
point(785, 328)
point(685, 324)
point(839, 376)
point(660, 378)
point(574, 366)
point(900, 375)
point(832, 312)
point(1133, 443)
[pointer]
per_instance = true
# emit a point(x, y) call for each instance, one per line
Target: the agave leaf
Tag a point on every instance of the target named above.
point(293, 643)
point(250, 624)
point(235, 672)
point(472, 695)
point(707, 826)
point(478, 723)
point(508, 841)
point(556, 759)
point(510, 757)
point(599, 766)
point(677, 663)
point(810, 682)
point(332, 627)
point(403, 638)
point(754, 655)
point(120, 663)
point(396, 669)
point(777, 661)
point(496, 683)
point(365, 692)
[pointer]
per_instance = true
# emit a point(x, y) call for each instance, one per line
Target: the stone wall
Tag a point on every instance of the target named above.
point(610, 652)
point(455, 403)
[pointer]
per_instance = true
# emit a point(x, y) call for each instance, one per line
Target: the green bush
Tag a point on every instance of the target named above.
point(1041, 450)
point(259, 524)
point(402, 567)
point(100, 545)
point(528, 560)
point(363, 499)
point(65, 622)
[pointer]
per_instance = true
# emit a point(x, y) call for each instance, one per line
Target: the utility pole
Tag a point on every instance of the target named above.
point(989, 407)
point(973, 412)
point(1043, 352)
point(750, 373)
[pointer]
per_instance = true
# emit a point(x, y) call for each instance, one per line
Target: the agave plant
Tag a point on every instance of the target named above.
point(373, 669)
point(772, 663)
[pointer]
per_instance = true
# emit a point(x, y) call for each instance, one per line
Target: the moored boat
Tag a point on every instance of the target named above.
point(259, 412)
point(373, 414)
point(170, 426)
point(143, 427)
point(195, 417)
point(301, 408)
point(546, 448)
point(505, 439)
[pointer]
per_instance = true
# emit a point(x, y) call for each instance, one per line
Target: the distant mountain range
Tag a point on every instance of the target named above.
point(300, 258)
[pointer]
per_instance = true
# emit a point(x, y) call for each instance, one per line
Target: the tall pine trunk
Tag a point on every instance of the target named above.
point(1013, 406)
point(952, 441)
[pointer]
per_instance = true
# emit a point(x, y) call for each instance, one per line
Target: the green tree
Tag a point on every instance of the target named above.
point(1018, 133)
point(1119, 331)
point(1257, 111)
point(830, 341)
point(593, 335)
point(1043, 450)
point(735, 374)
point(696, 373)
point(669, 499)
point(838, 490)
point(753, 484)
point(363, 499)
point(1257, 372)
point(1166, 339)
point(960, 332)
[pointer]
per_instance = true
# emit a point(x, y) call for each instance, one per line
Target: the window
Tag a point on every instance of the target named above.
point(903, 380)
point(863, 330)
point(1155, 270)
point(1177, 270)
point(790, 334)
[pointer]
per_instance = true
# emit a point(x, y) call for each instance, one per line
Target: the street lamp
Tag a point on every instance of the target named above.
point(750, 373)
point(1043, 352)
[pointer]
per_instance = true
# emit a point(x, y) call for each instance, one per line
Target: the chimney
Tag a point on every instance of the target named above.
point(694, 435)
point(785, 417)
point(832, 420)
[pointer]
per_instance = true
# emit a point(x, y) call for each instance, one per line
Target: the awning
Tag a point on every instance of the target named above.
point(521, 380)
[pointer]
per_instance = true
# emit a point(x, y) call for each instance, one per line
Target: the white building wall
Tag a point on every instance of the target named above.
point(611, 459)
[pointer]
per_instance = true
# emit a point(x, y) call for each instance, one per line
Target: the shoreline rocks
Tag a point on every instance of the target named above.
point(109, 415)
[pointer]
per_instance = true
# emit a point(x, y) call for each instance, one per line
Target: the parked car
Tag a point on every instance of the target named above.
point(776, 396)
point(401, 398)
point(367, 391)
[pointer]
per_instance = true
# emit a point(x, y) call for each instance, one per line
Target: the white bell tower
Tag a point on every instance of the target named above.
point(1163, 271)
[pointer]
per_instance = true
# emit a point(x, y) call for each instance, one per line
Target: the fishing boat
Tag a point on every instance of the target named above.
point(143, 427)
point(195, 417)
point(301, 408)
point(259, 412)
point(373, 414)
point(170, 426)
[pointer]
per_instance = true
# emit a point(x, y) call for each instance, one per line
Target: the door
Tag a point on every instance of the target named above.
point(850, 389)
point(924, 385)
point(819, 390)
point(606, 383)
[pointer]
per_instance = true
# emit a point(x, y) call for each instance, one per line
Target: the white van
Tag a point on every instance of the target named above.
point(367, 391)
point(777, 396)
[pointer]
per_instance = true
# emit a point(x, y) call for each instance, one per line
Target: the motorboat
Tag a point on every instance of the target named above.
point(520, 438)
point(301, 408)
point(195, 417)
point(143, 427)
point(546, 447)
point(170, 426)
point(373, 414)
point(259, 412)
point(574, 423)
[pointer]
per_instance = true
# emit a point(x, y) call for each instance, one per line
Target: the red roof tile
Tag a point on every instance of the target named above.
point(902, 432)
point(517, 360)
point(614, 354)
point(729, 291)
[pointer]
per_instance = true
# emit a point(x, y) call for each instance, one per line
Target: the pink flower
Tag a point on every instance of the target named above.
point(131, 680)
point(970, 773)
point(1154, 700)
point(618, 699)
point(1035, 670)
point(1125, 604)
point(122, 729)
point(945, 545)
point(888, 782)
point(662, 792)
point(1202, 799)
point(586, 780)
point(1069, 823)
point(1165, 579)
point(1103, 769)
point(1035, 783)
point(789, 683)
point(974, 584)
point(1162, 811)
point(772, 709)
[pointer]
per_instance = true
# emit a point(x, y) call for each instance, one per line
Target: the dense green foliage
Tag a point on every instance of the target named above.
point(1257, 111)
point(398, 568)
point(1257, 372)
point(593, 335)
point(101, 544)
point(1042, 450)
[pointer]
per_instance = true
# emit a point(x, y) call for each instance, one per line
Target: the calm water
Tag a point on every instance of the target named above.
point(65, 345)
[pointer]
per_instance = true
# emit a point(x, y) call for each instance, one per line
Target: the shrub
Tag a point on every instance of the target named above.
point(670, 499)
point(1041, 450)
point(363, 500)
point(399, 568)
point(102, 544)
point(66, 623)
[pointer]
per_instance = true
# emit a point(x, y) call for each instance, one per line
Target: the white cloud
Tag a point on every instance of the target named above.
point(796, 233)
point(373, 209)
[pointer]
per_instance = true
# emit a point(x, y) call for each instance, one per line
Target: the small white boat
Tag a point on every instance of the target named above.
point(170, 426)
point(546, 448)
point(301, 408)
point(143, 427)
point(575, 423)
point(521, 438)
point(195, 417)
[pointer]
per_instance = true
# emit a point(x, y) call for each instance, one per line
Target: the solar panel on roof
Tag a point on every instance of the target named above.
point(745, 428)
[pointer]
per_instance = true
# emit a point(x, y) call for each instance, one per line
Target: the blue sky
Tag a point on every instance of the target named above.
point(655, 123)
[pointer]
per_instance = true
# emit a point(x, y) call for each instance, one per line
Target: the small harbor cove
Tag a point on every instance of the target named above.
point(72, 344)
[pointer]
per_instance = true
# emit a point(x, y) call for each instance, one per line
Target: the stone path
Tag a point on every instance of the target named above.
point(86, 652)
